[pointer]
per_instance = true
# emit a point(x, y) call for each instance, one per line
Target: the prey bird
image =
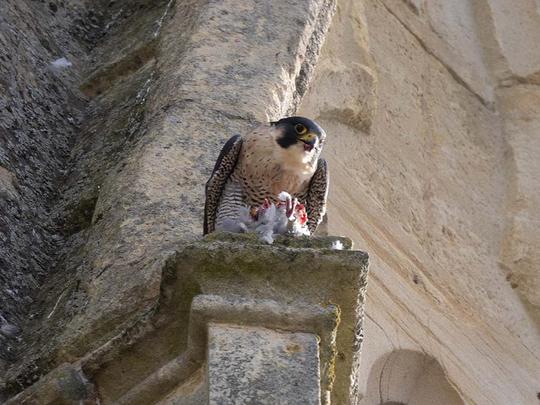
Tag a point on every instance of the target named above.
point(255, 168)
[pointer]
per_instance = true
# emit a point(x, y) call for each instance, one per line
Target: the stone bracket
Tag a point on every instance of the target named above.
point(207, 309)
point(299, 293)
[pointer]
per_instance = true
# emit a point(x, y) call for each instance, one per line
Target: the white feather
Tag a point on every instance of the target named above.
point(61, 63)
point(284, 196)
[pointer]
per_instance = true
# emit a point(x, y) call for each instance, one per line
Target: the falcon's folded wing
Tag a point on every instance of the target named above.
point(214, 186)
point(316, 196)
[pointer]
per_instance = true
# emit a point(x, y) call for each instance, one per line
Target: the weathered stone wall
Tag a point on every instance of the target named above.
point(432, 113)
point(433, 116)
point(64, 126)
point(40, 109)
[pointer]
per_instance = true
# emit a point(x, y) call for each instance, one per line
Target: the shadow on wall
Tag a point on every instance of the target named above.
point(407, 377)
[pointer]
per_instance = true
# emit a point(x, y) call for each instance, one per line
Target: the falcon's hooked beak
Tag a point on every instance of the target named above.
point(309, 139)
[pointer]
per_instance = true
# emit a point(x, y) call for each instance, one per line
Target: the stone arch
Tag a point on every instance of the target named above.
point(408, 377)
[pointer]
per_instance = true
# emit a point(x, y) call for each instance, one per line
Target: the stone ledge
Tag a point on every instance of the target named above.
point(312, 275)
point(305, 242)
point(234, 279)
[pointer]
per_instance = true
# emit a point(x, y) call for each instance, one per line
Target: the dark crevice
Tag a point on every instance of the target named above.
point(106, 76)
point(80, 217)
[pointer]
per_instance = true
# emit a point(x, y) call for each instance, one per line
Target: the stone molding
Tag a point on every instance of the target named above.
point(295, 285)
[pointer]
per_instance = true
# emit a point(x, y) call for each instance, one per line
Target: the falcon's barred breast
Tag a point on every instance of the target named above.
point(276, 157)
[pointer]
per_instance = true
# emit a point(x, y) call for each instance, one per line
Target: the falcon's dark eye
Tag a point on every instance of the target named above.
point(300, 129)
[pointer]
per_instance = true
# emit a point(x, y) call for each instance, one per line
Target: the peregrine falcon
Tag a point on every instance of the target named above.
point(281, 156)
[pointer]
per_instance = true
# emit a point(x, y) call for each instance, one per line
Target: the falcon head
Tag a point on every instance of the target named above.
point(301, 133)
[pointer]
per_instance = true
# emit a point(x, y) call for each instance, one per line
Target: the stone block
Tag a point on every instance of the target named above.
point(64, 385)
point(253, 365)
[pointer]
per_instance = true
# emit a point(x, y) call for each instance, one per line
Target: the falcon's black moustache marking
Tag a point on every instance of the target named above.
point(286, 141)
